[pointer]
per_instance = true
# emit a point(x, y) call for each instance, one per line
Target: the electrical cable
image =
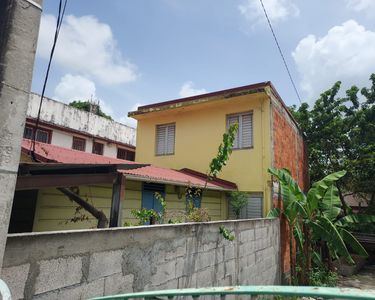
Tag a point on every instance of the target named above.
point(281, 52)
point(59, 21)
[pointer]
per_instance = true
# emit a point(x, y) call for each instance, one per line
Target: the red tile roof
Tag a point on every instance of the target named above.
point(53, 153)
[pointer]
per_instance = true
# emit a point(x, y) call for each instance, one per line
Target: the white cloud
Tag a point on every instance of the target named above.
point(277, 10)
point(368, 6)
point(130, 121)
point(86, 46)
point(346, 53)
point(188, 90)
point(76, 87)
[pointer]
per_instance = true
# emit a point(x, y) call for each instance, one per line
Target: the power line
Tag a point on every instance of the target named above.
point(59, 20)
point(281, 52)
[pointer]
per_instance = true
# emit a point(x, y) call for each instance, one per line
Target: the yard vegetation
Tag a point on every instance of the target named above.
point(340, 135)
point(319, 228)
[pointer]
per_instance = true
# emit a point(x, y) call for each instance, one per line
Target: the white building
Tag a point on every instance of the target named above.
point(68, 127)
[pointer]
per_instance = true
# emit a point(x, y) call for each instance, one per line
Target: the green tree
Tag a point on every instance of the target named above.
point(88, 106)
point(238, 200)
point(340, 134)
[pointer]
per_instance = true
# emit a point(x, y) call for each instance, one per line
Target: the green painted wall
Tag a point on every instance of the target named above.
point(54, 210)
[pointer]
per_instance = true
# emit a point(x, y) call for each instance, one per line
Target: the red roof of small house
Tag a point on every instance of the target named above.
point(163, 175)
point(52, 153)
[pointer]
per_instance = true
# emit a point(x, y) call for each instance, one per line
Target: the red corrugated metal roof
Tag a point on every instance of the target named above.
point(53, 153)
point(158, 174)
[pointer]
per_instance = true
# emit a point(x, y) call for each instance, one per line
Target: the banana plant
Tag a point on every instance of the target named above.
point(314, 217)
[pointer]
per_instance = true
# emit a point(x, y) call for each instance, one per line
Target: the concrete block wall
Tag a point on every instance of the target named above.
point(87, 263)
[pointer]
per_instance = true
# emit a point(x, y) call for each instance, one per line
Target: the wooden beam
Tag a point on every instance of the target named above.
point(32, 182)
point(99, 215)
point(118, 192)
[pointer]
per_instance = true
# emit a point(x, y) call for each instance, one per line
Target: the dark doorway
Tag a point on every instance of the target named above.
point(23, 211)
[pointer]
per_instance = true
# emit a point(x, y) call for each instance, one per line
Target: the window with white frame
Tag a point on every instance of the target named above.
point(165, 139)
point(244, 136)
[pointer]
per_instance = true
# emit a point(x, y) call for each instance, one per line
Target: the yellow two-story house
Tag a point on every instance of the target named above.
point(186, 133)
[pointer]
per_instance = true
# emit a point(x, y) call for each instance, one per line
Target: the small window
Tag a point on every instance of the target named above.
point(42, 135)
point(79, 144)
point(165, 139)
point(244, 137)
point(125, 154)
point(28, 133)
point(97, 148)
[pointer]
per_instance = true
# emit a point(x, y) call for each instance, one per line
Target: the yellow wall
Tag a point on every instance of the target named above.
point(54, 209)
point(199, 130)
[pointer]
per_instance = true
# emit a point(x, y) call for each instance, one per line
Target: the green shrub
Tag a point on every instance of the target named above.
point(323, 277)
point(238, 200)
point(144, 215)
point(197, 215)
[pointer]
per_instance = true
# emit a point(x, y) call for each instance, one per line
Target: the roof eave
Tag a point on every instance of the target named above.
point(178, 183)
point(203, 98)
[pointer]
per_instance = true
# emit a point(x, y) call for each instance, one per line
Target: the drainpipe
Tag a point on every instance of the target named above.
point(19, 27)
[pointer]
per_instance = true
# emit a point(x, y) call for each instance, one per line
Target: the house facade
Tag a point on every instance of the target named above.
point(39, 205)
point(186, 133)
point(68, 127)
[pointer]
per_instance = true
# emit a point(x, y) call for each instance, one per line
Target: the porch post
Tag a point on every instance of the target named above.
point(118, 192)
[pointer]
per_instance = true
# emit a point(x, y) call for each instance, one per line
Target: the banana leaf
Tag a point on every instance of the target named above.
point(320, 187)
point(356, 219)
point(330, 205)
point(274, 213)
point(324, 228)
point(350, 240)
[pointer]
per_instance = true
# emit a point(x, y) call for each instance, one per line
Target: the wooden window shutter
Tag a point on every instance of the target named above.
point(165, 139)
point(246, 130)
point(254, 207)
point(161, 131)
point(170, 139)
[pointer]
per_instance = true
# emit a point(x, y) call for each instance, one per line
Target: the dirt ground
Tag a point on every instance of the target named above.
point(364, 280)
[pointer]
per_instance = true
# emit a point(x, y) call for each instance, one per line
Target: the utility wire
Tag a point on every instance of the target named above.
point(281, 52)
point(59, 21)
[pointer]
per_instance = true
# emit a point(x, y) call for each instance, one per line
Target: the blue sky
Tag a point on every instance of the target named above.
point(126, 53)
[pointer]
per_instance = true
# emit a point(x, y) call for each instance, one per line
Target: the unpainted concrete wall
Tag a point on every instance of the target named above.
point(88, 263)
point(58, 113)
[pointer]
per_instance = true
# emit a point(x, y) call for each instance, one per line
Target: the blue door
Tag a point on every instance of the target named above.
point(149, 200)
